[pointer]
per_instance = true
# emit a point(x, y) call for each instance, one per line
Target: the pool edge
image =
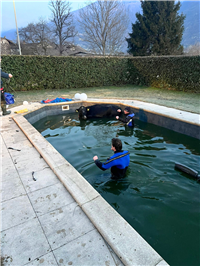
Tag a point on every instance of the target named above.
point(115, 230)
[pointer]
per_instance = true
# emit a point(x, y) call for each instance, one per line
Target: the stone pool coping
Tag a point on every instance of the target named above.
point(176, 120)
point(130, 247)
point(192, 118)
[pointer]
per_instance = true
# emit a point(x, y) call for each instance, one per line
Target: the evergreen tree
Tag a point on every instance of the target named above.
point(158, 31)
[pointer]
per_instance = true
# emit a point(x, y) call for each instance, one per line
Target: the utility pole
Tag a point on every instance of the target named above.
point(17, 29)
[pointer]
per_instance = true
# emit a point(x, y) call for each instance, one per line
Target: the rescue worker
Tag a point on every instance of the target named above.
point(3, 102)
point(118, 162)
point(129, 120)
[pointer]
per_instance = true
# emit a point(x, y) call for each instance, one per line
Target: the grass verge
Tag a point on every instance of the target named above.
point(185, 101)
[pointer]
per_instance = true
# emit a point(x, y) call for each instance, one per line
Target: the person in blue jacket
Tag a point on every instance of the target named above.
point(3, 102)
point(118, 163)
point(129, 120)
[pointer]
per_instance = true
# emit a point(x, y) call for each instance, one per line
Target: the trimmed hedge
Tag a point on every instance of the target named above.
point(169, 72)
point(48, 72)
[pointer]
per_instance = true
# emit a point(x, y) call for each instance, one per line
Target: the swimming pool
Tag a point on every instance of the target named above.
point(161, 203)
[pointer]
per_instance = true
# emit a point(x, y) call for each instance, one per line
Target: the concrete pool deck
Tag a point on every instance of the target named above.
point(43, 223)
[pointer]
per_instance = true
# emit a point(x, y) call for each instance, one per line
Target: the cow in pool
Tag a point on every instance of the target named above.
point(97, 111)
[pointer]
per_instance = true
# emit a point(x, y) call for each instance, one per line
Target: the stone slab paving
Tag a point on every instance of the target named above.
point(41, 224)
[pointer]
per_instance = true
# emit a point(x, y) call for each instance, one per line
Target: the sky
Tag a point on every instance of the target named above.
point(28, 11)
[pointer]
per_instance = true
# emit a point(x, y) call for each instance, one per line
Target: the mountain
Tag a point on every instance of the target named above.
point(191, 33)
point(191, 9)
point(10, 34)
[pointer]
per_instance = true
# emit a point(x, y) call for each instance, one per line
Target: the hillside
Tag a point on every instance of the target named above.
point(191, 33)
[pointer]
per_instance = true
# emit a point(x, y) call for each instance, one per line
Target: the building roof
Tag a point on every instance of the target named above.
point(36, 49)
point(9, 41)
point(73, 50)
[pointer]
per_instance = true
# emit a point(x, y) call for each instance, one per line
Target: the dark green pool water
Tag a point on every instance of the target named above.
point(161, 203)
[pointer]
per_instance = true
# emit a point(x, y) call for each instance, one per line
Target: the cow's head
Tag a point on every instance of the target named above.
point(82, 111)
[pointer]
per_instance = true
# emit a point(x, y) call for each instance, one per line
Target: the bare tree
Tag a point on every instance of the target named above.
point(103, 25)
point(37, 34)
point(44, 35)
point(62, 20)
point(27, 33)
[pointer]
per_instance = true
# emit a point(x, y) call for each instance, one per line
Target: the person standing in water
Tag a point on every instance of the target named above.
point(129, 120)
point(118, 162)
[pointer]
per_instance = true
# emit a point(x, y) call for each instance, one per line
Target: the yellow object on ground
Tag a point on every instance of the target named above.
point(21, 111)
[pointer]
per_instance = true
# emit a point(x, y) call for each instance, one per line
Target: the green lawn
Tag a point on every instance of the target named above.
point(185, 101)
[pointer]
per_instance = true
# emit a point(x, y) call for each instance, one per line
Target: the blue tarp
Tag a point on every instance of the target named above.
point(56, 100)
